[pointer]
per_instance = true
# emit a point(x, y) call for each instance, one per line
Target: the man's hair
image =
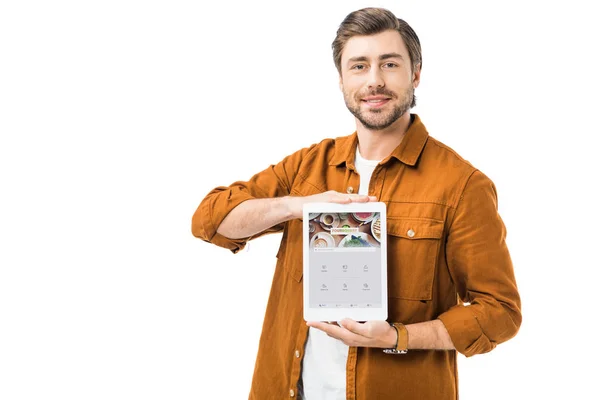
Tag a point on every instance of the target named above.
point(371, 21)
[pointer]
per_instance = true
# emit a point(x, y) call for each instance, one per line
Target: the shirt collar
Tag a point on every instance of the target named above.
point(408, 151)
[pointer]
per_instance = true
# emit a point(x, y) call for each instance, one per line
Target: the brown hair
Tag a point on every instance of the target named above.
point(370, 21)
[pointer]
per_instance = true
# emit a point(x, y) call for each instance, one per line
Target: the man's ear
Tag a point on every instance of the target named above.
point(341, 84)
point(417, 76)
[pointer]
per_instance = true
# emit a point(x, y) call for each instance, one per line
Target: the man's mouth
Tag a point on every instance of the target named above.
point(375, 101)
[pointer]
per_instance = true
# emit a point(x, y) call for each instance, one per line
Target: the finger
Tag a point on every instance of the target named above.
point(322, 325)
point(370, 198)
point(355, 327)
point(344, 198)
point(362, 199)
point(341, 198)
point(359, 198)
point(332, 330)
point(338, 332)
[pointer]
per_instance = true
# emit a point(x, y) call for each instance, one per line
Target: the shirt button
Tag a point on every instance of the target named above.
point(410, 233)
point(297, 354)
point(291, 392)
point(350, 189)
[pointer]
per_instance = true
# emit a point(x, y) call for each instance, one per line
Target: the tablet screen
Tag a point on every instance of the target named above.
point(344, 258)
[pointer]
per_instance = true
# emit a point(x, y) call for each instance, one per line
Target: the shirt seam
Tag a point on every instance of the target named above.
point(440, 203)
point(454, 153)
point(460, 198)
point(299, 173)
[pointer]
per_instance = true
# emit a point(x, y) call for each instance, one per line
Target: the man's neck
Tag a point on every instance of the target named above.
point(377, 145)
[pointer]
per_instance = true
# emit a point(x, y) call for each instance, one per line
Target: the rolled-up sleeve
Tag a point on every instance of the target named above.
point(275, 181)
point(482, 271)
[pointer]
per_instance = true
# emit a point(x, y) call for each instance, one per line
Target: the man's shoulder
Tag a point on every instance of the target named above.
point(333, 141)
point(326, 148)
point(445, 156)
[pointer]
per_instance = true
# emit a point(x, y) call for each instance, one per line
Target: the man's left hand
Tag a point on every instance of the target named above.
point(359, 334)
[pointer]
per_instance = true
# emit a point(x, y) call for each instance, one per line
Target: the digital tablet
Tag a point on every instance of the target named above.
point(345, 261)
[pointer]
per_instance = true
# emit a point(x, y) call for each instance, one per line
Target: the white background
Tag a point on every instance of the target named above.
point(117, 117)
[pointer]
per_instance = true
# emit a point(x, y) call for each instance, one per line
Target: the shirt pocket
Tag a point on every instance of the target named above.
point(413, 247)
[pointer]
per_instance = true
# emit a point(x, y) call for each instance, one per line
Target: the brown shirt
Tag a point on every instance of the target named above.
point(454, 265)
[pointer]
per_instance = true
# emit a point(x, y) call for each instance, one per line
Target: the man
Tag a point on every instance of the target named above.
point(446, 240)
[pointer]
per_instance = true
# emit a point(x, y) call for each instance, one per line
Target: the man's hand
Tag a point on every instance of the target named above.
point(295, 204)
point(367, 334)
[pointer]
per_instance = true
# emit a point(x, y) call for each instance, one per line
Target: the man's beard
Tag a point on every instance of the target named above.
point(377, 119)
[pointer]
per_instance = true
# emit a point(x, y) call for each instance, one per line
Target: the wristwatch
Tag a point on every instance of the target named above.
point(401, 341)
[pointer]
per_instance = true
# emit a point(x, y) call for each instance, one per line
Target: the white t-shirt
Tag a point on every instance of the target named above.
point(365, 169)
point(324, 362)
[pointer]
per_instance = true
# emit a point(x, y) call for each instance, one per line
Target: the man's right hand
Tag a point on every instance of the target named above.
point(295, 204)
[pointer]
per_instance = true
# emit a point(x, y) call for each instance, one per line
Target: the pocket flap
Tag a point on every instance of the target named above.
point(415, 228)
point(303, 187)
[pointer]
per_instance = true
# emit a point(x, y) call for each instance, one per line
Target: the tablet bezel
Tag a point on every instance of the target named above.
point(337, 314)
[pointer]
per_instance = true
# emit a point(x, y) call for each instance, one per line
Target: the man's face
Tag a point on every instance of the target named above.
point(376, 79)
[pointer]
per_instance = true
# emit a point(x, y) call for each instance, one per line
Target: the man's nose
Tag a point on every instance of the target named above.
point(375, 78)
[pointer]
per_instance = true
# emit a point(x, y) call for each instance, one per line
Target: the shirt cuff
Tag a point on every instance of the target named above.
point(464, 330)
point(212, 218)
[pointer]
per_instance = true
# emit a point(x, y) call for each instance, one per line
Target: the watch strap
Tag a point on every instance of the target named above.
point(401, 340)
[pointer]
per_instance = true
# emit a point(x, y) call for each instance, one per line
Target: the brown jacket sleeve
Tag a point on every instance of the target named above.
point(482, 271)
point(275, 181)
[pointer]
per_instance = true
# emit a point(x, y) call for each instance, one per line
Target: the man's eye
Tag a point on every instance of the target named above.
point(359, 67)
point(389, 65)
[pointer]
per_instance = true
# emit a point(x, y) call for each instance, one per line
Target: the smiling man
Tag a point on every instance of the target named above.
point(378, 99)
point(451, 284)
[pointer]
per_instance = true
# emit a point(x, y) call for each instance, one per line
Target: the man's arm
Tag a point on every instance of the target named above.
point(229, 216)
point(430, 335)
point(265, 187)
point(256, 215)
point(482, 271)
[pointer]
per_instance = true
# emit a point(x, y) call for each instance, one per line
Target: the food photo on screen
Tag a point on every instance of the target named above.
point(344, 230)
